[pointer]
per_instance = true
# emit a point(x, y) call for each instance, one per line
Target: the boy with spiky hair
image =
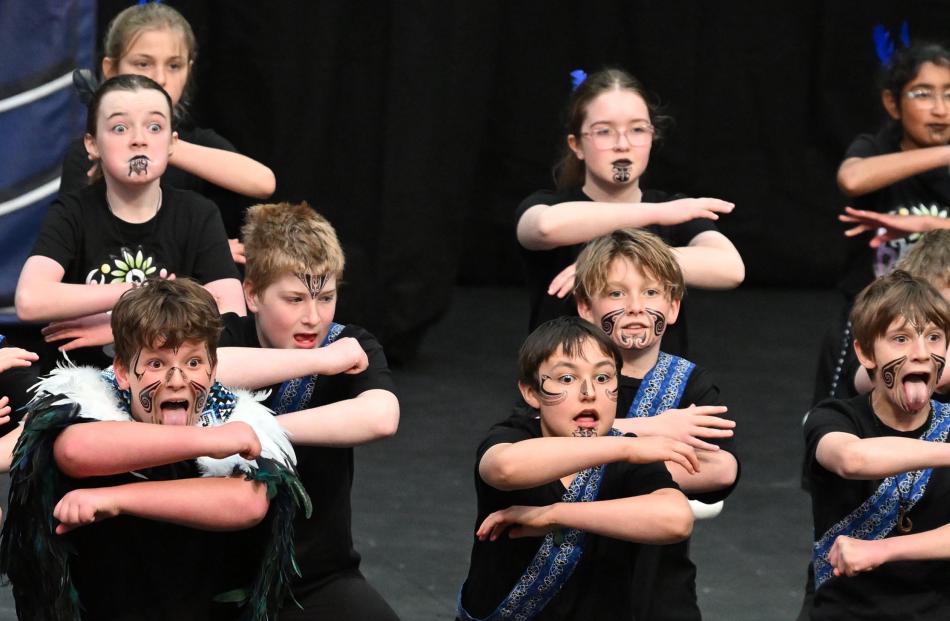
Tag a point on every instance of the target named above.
point(332, 390)
point(878, 465)
point(630, 284)
point(576, 496)
point(126, 472)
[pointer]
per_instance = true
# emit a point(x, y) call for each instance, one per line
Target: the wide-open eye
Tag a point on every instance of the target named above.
point(567, 379)
point(900, 339)
point(120, 128)
point(195, 363)
point(936, 336)
point(153, 363)
point(604, 378)
point(155, 128)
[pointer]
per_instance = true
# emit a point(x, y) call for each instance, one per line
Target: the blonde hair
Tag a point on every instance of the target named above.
point(127, 25)
point(929, 258)
point(288, 238)
point(644, 249)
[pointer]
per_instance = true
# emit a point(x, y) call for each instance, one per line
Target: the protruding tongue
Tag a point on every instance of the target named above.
point(174, 416)
point(916, 393)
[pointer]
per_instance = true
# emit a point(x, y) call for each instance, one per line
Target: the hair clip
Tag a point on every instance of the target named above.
point(884, 45)
point(577, 78)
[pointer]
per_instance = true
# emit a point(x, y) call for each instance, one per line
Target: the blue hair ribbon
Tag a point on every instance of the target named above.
point(577, 78)
point(884, 44)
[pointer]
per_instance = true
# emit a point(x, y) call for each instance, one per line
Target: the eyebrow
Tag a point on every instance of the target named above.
point(123, 113)
point(631, 121)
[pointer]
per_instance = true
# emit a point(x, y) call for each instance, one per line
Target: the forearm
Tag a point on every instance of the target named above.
point(876, 458)
point(52, 301)
point(711, 262)
point(930, 545)
point(538, 461)
point(208, 503)
point(718, 470)
point(110, 447)
point(259, 367)
point(550, 226)
point(371, 416)
point(661, 517)
point(231, 171)
point(859, 176)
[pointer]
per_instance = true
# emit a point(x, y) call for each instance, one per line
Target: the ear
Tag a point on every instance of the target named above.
point(172, 144)
point(110, 67)
point(527, 392)
point(89, 141)
point(866, 359)
point(250, 298)
point(573, 146)
point(584, 310)
point(674, 312)
point(121, 374)
point(891, 105)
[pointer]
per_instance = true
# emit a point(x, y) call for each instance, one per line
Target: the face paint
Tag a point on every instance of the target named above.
point(586, 392)
point(608, 323)
point(550, 398)
point(889, 371)
point(612, 394)
point(147, 396)
point(621, 170)
point(659, 320)
point(940, 362)
point(138, 165)
point(135, 366)
point(201, 396)
point(314, 284)
point(584, 432)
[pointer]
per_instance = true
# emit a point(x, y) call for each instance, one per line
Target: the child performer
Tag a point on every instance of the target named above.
point(154, 40)
point(878, 465)
point(629, 284)
point(108, 516)
point(610, 132)
point(898, 180)
point(564, 500)
point(97, 243)
point(294, 265)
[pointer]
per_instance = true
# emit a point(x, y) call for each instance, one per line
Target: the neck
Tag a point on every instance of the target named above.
point(603, 192)
point(638, 362)
point(895, 418)
point(134, 204)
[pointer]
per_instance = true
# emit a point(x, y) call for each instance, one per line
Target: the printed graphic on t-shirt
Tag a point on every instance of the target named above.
point(890, 253)
point(134, 266)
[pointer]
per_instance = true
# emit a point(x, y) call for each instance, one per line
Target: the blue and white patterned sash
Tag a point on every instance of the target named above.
point(877, 516)
point(661, 388)
point(554, 562)
point(292, 394)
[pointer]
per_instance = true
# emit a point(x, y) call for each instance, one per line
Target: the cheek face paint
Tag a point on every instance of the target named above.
point(889, 371)
point(659, 321)
point(940, 362)
point(314, 284)
point(621, 170)
point(200, 396)
point(550, 398)
point(138, 165)
point(135, 367)
point(147, 396)
point(611, 394)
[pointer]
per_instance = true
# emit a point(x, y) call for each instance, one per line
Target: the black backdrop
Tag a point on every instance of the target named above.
point(417, 127)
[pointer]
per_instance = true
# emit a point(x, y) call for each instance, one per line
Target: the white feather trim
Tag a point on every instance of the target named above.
point(86, 387)
point(275, 443)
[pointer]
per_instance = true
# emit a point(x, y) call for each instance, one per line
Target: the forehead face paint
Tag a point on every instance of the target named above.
point(547, 397)
point(314, 284)
point(138, 165)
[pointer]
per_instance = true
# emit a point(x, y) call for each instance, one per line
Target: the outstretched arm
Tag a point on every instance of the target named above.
point(534, 462)
point(862, 175)
point(207, 503)
point(109, 447)
point(895, 226)
point(372, 415)
point(710, 261)
point(543, 227)
point(42, 296)
point(227, 169)
point(660, 517)
point(851, 457)
point(258, 367)
point(851, 556)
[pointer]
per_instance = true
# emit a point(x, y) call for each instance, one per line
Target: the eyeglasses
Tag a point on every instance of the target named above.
point(926, 98)
point(606, 137)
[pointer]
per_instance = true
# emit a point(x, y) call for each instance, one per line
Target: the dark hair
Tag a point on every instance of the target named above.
point(569, 171)
point(905, 65)
point(165, 313)
point(126, 82)
point(896, 295)
point(565, 333)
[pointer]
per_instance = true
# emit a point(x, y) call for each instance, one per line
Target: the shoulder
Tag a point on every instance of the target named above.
point(659, 196)
point(90, 389)
point(238, 331)
point(550, 197)
point(521, 424)
point(848, 415)
point(869, 145)
point(196, 204)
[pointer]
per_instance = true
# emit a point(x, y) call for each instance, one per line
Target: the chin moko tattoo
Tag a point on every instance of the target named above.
point(138, 165)
point(889, 371)
point(621, 172)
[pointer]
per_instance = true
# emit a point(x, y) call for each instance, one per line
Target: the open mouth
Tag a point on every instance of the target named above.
point(622, 162)
point(174, 411)
point(916, 389)
point(587, 419)
point(305, 340)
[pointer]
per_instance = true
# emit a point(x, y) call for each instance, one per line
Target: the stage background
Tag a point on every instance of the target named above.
point(417, 127)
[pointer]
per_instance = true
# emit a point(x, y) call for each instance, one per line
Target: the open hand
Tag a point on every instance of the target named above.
point(686, 209)
point(16, 357)
point(5, 410)
point(652, 449)
point(691, 425)
point(523, 521)
point(895, 226)
point(88, 331)
point(563, 283)
point(84, 506)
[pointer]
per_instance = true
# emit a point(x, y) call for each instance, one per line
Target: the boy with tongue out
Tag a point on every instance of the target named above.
point(630, 284)
point(559, 533)
point(878, 464)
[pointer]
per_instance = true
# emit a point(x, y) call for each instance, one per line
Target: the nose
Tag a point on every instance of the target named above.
point(623, 143)
point(173, 379)
point(587, 392)
point(920, 350)
point(159, 75)
point(310, 316)
point(635, 304)
point(940, 105)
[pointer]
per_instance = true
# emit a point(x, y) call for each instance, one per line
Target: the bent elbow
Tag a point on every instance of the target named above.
point(851, 464)
point(266, 185)
point(848, 183)
point(254, 507)
point(388, 425)
point(28, 305)
point(679, 524)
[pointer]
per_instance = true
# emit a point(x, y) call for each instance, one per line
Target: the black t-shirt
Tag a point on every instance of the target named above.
point(76, 164)
point(541, 266)
point(925, 194)
point(128, 568)
point(665, 583)
point(600, 586)
point(324, 543)
point(903, 590)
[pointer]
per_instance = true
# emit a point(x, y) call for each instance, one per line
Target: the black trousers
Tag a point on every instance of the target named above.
point(346, 597)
